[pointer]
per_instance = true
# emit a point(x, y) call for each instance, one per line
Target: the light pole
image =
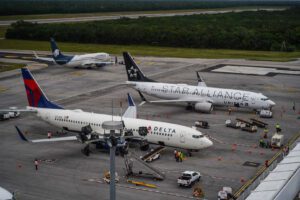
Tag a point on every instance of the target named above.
point(113, 131)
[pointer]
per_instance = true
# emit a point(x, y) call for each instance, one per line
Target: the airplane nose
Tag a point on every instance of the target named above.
point(208, 142)
point(271, 103)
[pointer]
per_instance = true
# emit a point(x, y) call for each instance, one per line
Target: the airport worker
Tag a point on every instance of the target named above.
point(267, 163)
point(294, 106)
point(261, 143)
point(277, 126)
point(176, 155)
point(229, 111)
point(36, 164)
point(266, 131)
point(181, 156)
point(49, 134)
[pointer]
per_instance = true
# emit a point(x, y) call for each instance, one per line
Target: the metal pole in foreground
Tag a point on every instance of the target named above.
point(113, 130)
point(112, 154)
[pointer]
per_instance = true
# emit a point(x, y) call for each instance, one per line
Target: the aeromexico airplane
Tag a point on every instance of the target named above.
point(85, 60)
point(201, 97)
point(157, 132)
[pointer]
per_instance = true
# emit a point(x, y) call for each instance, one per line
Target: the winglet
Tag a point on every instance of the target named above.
point(131, 111)
point(144, 100)
point(22, 136)
point(130, 100)
point(35, 54)
point(200, 80)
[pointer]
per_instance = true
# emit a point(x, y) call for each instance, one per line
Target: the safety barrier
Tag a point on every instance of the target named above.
point(244, 191)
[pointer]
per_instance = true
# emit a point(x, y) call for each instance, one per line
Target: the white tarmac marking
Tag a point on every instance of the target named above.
point(254, 70)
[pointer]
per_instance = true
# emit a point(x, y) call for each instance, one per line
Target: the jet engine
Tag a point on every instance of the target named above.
point(205, 107)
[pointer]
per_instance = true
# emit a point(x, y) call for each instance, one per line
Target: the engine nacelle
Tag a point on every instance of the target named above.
point(204, 107)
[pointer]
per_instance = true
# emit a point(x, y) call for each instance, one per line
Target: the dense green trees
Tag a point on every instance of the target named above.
point(247, 30)
point(25, 7)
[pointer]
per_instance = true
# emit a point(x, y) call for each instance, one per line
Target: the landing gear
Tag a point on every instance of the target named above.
point(145, 147)
point(189, 107)
point(189, 153)
point(86, 150)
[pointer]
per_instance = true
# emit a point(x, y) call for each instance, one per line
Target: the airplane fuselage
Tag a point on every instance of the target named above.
point(217, 96)
point(158, 132)
point(84, 60)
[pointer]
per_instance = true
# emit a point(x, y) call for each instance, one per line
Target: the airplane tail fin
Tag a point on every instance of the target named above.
point(55, 50)
point(133, 71)
point(35, 95)
point(131, 111)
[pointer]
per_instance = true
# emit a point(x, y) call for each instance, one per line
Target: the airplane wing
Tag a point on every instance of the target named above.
point(43, 59)
point(22, 136)
point(187, 100)
point(200, 80)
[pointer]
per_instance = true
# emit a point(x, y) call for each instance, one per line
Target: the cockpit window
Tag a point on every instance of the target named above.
point(197, 136)
point(264, 99)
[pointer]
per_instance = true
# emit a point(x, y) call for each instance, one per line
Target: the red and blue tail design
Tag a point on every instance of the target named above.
point(35, 96)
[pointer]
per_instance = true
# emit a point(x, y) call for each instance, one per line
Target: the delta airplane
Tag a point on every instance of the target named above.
point(85, 60)
point(201, 97)
point(161, 133)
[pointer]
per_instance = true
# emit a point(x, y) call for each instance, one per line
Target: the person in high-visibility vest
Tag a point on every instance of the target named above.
point(277, 126)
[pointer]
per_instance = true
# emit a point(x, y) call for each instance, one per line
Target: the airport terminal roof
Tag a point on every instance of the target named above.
point(270, 187)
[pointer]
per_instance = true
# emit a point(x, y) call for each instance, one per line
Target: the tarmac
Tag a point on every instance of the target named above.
point(65, 173)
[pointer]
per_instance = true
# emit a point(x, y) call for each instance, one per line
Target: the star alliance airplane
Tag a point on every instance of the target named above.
point(200, 97)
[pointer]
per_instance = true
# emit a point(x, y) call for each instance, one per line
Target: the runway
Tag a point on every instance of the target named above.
point(133, 16)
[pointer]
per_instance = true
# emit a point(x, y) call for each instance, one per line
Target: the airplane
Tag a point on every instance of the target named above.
point(201, 97)
point(89, 125)
point(85, 60)
point(6, 195)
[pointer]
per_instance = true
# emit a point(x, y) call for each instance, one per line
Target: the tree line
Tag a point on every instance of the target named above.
point(26, 7)
point(261, 30)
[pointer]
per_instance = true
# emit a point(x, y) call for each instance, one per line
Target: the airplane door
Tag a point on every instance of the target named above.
point(182, 138)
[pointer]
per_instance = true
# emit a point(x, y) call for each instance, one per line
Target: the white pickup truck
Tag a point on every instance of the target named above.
point(188, 178)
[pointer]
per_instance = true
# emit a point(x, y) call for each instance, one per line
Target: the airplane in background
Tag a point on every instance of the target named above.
point(85, 60)
point(89, 125)
point(200, 97)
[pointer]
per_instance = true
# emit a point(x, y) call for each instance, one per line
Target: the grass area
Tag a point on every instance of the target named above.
point(3, 31)
point(54, 16)
point(9, 66)
point(153, 51)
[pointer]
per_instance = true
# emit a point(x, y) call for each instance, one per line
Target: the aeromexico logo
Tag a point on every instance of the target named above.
point(157, 129)
point(56, 53)
point(132, 72)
